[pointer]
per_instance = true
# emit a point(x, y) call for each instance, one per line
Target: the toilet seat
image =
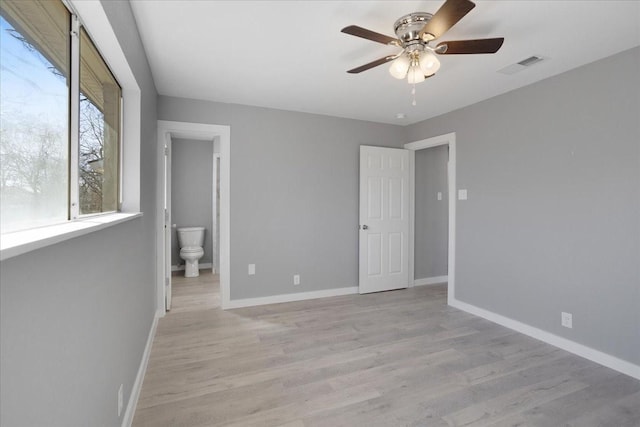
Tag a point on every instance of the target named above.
point(192, 251)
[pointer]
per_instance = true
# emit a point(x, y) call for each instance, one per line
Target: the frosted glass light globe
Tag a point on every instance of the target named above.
point(400, 66)
point(429, 63)
point(415, 75)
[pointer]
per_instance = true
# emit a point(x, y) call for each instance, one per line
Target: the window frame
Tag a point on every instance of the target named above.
point(74, 139)
point(96, 22)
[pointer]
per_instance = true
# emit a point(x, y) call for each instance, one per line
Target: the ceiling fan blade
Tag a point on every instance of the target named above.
point(446, 17)
point(354, 30)
point(373, 64)
point(456, 47)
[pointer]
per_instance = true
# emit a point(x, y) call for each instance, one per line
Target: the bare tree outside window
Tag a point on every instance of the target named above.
point(98, 133)
point(91, 162)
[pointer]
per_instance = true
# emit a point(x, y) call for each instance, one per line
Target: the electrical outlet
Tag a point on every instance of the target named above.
point(252, 269)
point(439, 195)
point(296, 279)
point(462, 194)
point(567, 320)
point(120, 400)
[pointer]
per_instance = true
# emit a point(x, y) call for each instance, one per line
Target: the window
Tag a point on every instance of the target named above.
point(60, 116)
point(34, 115)
point(99, 132)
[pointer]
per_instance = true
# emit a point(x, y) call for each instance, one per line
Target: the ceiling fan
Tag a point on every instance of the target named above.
point(415, 32)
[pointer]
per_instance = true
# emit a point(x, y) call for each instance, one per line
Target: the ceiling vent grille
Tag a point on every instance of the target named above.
point(519, 66)
point(530, 61)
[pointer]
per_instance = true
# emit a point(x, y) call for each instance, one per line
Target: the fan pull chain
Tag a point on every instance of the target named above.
point(413, 93)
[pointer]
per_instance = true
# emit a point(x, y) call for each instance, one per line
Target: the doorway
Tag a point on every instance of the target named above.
point(448, 140)
point(191, 131)
point(194, 197)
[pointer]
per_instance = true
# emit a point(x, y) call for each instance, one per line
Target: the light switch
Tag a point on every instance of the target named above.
point(252, 269)
point(439, 195)
point(462, 194)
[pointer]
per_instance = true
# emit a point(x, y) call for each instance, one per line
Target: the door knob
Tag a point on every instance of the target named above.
point(365, 227)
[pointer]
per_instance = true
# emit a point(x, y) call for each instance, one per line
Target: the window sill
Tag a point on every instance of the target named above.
point(20, 242)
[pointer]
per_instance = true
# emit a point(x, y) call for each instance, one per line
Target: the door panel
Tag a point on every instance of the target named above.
point(384, 220)
point(374, 248)
point(395, 253)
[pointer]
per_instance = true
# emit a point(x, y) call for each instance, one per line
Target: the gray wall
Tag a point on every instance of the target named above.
point(75, 316)
point(552, 222)
point(431, 215)
point(294, 198)
point(192, 192)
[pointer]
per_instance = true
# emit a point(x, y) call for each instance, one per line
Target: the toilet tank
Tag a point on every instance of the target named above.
point(190, 236)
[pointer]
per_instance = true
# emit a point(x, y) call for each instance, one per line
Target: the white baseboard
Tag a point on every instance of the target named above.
point(300, 296)
point(201, 266)
point(430, 280)
point(581, 350)
point(127, 420)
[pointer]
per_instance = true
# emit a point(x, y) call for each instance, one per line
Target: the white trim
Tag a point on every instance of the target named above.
point(430, 280)
point(447, 139)
point(201, 266)
point(127, 420)
point(301, 296)
point(20, 242)
point(74, 122)
point(215, 241)
point(581, 350)
point(412, 217)
point(203, 132)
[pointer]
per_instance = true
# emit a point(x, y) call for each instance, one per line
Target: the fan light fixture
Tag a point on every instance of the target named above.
point(400, 66)
point(415, 66)
point(414, 34)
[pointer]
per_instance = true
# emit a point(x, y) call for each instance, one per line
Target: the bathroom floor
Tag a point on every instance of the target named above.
point(194, 293)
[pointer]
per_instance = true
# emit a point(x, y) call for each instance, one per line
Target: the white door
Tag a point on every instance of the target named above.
point(167, 223)
point(384, 219)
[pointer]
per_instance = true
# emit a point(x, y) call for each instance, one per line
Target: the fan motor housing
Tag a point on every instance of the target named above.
point(407, 28)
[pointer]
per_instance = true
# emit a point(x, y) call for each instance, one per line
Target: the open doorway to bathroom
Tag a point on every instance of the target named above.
point(193, 193)
point(195, 200)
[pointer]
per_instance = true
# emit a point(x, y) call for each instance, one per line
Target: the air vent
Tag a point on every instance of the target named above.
point(530, 61)
point(519, 66)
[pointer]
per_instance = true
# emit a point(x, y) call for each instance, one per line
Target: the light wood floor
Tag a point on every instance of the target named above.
point(401, 358)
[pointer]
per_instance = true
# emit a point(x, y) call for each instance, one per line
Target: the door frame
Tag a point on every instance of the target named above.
point(167, 227)
point(450, 140)
point(199, 131)
point(216, 243)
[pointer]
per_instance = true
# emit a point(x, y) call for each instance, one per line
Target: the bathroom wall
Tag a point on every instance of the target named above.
point(192, 193)
point(431, 214)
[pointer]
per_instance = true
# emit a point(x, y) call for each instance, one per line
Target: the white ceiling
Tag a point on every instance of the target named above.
point(291, 55)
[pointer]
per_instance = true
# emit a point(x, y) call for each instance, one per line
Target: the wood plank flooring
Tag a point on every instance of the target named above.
point(401, 358)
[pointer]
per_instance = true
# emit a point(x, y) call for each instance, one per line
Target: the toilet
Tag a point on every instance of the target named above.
point(191, 240)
